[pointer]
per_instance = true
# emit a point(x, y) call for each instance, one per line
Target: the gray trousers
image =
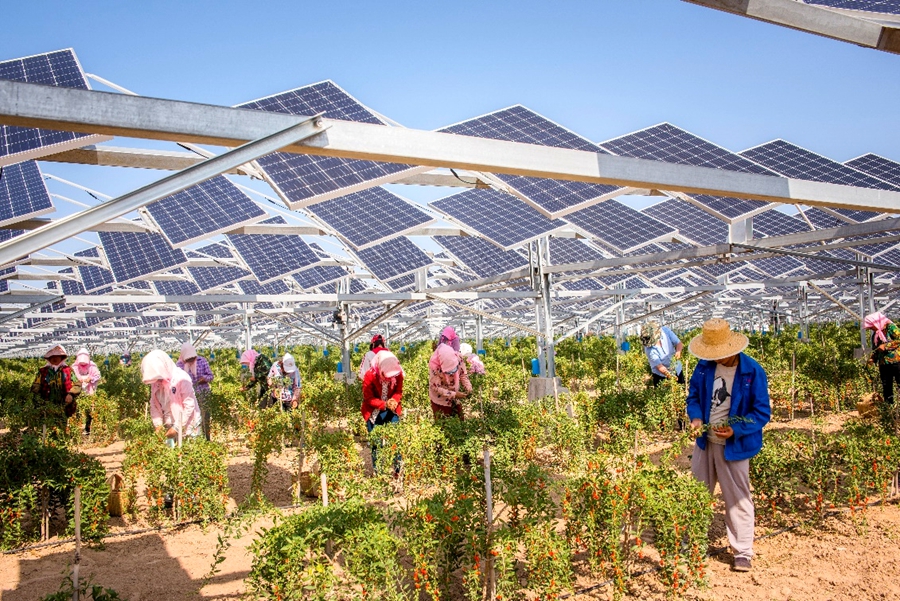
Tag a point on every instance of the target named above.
point(709, 467)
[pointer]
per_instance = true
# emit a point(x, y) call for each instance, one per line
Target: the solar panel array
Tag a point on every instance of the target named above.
point(182, 288)
point(695, 224)
point(319, 275)
point(793, 161)
point(23, 193)
point(393, 258)
point(619, 226)
point(498, 216)
point(58, 68)
point(554, 198)
point(876, 166)
point(204, 210)
point(135, 255)
point(776, 223)
point(371, 216)
point(480, 256)
point(273, 256)
point(303, 179)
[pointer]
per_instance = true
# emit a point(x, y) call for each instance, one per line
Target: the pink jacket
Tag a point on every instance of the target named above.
point(89, 375)
point(442, 388)
point(173, 402)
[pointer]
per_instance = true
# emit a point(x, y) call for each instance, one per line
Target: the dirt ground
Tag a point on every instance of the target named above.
point(842, 559)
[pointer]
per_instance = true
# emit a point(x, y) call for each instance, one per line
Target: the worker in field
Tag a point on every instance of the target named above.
point(284, 382)
point(375, 346)
point(56, 385)
point(448, 380)
point(88, 374)
point(173, 403)
point(663, 350)
point(475, 365)
point(728, 405)
point(257, 366)
point(382, 389)
point(198, 369)
point(885, 353)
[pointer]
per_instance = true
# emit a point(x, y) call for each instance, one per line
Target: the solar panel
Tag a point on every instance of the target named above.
point(254, 287)
point(319, 276)
point(182, 288)
point(570, 250)
point(498, 216)
point(553, 198)
point(131, 322)
point(135, 255)
point(793, 161)
point(891, 7)
point(97, 280)
point(877, 166)
point(777, 266)
point(393, 258)
point(776, 223)
point(302, 179)
point(698, 226)
point(403, 282)
point(58, 68)
point(620, 226)
point(23, 193)
point(273, 256)
point(670, 144)
point(371, 216)
point(820, 219)
point(208, 278)
point(480, 256)
point(204, 210)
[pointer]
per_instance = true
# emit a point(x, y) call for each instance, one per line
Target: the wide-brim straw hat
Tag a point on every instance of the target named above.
point(717, 341)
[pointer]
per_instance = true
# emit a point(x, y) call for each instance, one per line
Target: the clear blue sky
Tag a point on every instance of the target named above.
point(601, 68)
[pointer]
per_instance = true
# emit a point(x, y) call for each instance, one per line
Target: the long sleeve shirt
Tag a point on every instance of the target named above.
point(173, 402)
point(377, 390)
point(88, 375)
point(442, 388)
point(53, 385)
point(203, 372)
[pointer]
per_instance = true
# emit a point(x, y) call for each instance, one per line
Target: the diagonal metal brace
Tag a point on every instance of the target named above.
point(484, 314)
point(29, 309)
point(24, 245)
point(378, 320)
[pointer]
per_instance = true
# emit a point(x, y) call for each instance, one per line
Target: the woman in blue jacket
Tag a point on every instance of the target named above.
point(728, 405)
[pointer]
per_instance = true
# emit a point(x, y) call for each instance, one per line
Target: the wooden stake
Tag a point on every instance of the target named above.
point(489, 514)
point(75, 568)
point(793, 382)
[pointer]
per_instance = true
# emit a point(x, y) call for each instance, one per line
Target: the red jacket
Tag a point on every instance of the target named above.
point(371, 388)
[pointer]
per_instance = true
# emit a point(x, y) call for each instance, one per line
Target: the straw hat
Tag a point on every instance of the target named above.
point(717, 341)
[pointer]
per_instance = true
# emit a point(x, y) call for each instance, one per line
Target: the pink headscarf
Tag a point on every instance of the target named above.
point(157, 365)
point(248, 357)
point(444, 359)
point(448, 336)
point(877, 321)
point(83, 357)
point(387, 363)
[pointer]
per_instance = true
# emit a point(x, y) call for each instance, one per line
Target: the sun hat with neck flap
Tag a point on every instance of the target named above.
point(717, 341)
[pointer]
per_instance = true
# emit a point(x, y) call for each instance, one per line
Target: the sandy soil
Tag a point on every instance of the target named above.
point(842, 559)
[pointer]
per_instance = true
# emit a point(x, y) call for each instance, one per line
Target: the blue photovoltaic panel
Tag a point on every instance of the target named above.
point(135, 255)
point(393, 258)
point(570, 250)
point(23, 193)
point(498, 216)
point(4, 283)
point(58, 68)
point(777, 266)
point(371, 216)
point(254, 287)
point(208, 278)
point(204, 210)
point(695, 224)
point(671, 144)
point(776, 223)
point(480, 256)
point(402, 283)
point(820, 219)
point(793, 161)
point(891, 7)
point(620, 226)
point(319, 276)
point(876, 166)
point(304, 179)
point(131, 322)
point(553, 198)
point(95, 279)
point(273, 256)
point(182, 288)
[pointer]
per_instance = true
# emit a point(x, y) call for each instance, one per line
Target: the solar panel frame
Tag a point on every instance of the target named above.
point(273, 256)
point(481, 257)
point(94, 279)
point(501, 218)
point(209, 208)
point(368, 217)
point(696, 225)
point(393, 258)
point(518, 123)
point(48, 68)
point(328, 177)
point(136, 255)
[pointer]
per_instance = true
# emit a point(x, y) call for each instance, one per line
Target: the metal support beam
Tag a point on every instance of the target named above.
point(34, 105)
point(581, 326)
point(26, 310)
point(72, 225)
point(387, 314)
point(463, 307)
point(835, 301)
point(665, 308)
